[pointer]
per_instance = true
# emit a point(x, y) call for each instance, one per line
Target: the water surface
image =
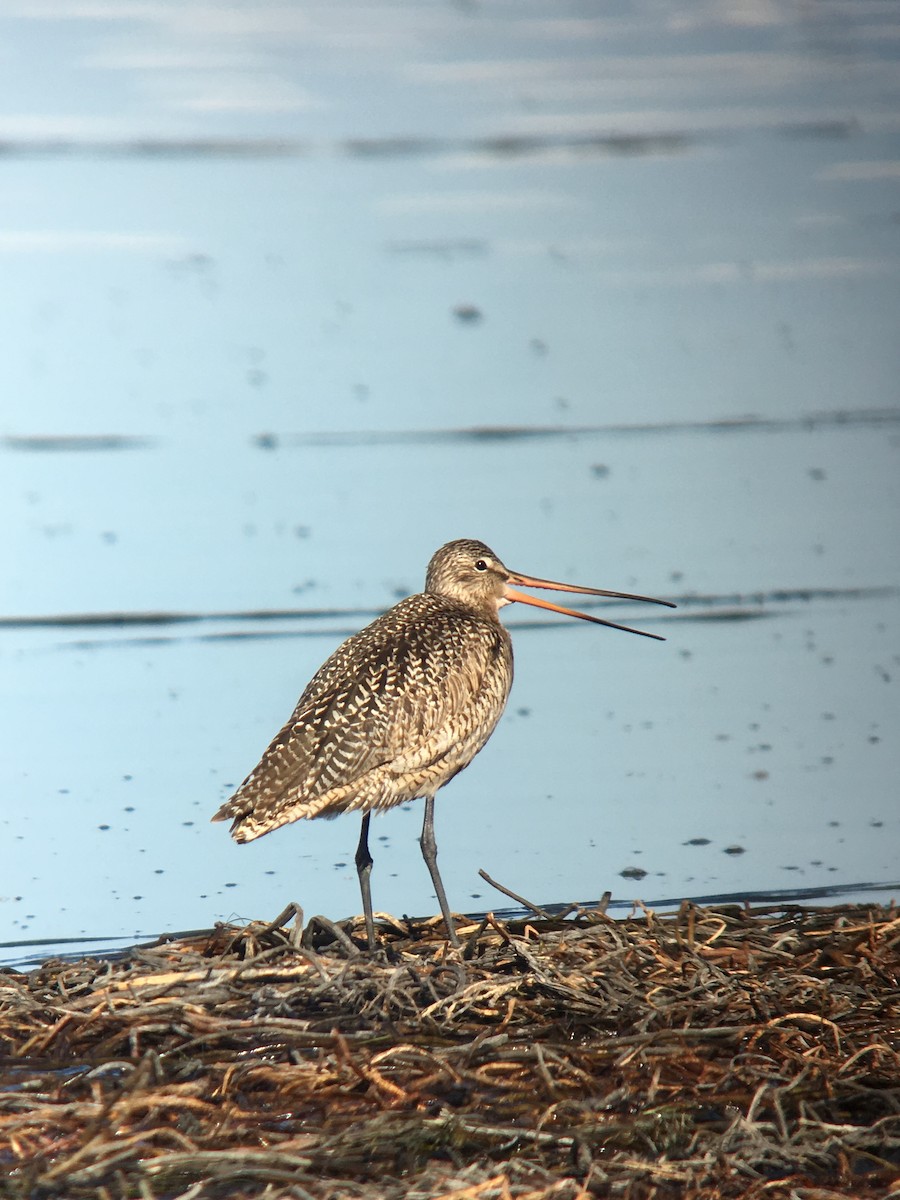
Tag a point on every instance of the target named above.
point(294, 294)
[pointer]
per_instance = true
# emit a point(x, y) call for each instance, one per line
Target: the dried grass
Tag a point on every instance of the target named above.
point(712, 1053)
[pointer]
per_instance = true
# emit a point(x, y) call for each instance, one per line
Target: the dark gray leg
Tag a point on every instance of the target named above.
point(364, 870)
point(429, 853)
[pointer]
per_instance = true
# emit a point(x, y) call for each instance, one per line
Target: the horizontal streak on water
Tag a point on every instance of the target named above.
point(121, 619)
point(737, 600)
point(498, 146)
point(41, 443)
point(752, 606)
point(730, 600)
point(840, 419)
point(874, 418)
point(495, 146)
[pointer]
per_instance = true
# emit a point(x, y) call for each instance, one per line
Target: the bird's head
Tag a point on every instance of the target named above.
point(470, 572)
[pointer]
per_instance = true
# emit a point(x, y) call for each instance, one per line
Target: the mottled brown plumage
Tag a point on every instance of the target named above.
point(395, 712)
point(398, 709)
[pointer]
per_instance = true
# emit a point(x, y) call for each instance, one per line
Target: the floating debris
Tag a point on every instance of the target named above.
point(468, 314)
point(729, 1052)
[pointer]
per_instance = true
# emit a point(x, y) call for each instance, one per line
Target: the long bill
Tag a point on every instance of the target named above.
point(530, 581)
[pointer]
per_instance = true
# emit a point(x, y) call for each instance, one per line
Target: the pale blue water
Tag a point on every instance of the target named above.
point(267, 267)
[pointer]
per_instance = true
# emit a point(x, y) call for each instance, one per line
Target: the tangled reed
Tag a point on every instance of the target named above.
point(707, 1054)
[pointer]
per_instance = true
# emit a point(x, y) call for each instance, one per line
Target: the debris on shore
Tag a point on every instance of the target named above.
point(705, 1054)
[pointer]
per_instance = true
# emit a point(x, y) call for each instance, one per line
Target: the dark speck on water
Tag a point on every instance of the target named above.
point(468, 314)
point(633, 873)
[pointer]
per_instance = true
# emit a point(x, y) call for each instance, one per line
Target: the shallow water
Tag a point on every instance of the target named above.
point(294, 295)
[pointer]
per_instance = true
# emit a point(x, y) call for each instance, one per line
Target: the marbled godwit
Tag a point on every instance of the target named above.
point(400, 708)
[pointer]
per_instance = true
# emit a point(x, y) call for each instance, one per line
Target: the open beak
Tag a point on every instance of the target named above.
point(529, 581)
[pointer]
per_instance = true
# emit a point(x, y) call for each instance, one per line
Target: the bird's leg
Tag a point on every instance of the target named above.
point(364, 870)
point(429, 853)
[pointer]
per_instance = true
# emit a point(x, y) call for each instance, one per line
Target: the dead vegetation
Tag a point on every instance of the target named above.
point(703, 1055)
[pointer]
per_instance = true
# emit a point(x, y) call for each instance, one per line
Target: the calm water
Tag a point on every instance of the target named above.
point(296, 293)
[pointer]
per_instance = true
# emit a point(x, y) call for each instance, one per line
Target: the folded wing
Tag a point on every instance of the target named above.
point(383, 717)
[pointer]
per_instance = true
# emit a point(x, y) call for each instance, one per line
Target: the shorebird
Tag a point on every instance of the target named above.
point(400, 708)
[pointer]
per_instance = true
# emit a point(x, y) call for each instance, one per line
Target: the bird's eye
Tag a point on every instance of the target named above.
point(481, 565)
